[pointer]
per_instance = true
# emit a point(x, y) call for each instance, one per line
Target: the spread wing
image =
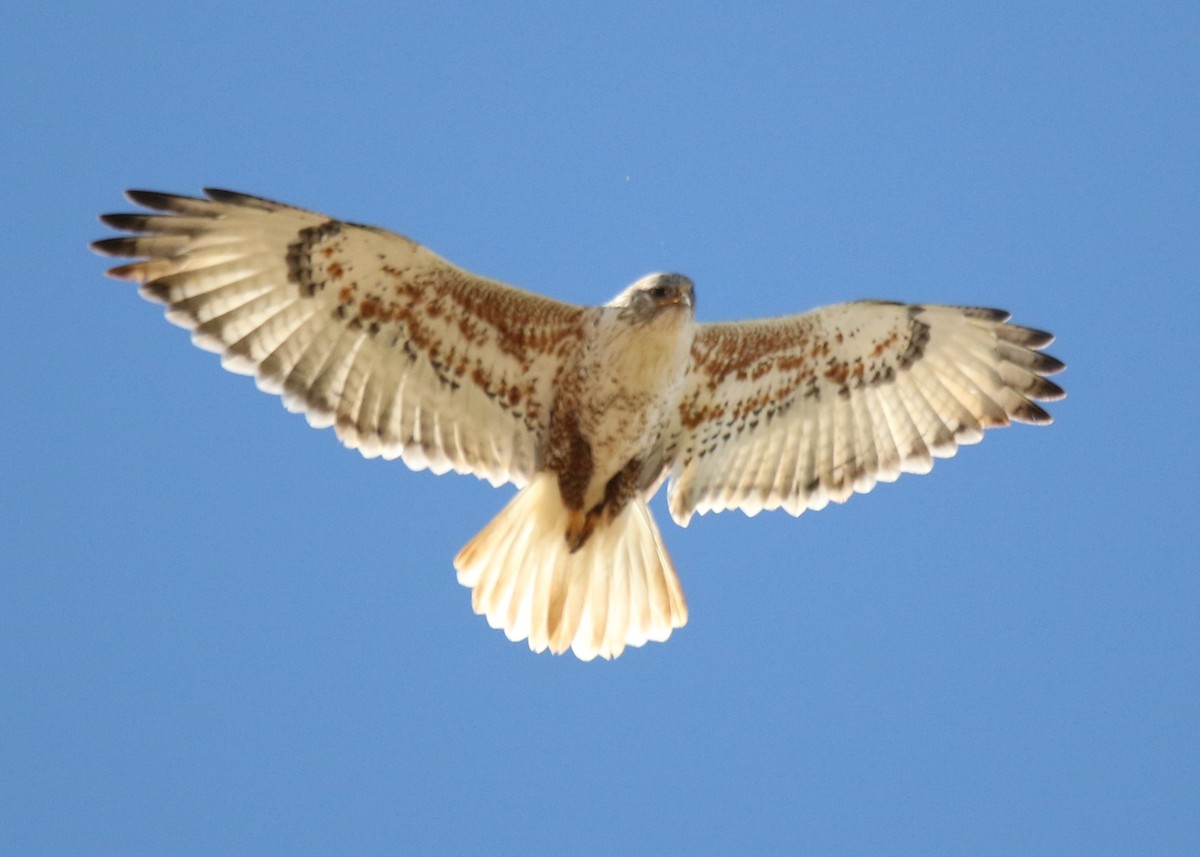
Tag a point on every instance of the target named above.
point(403, 353)
point(801, 410)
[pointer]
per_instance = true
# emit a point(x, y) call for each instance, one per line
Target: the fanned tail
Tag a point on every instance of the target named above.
point(619, 589)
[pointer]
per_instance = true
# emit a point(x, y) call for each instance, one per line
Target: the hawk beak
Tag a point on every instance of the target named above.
point(683, 298)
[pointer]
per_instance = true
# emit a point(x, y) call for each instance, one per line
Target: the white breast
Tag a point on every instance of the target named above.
point(633, 377)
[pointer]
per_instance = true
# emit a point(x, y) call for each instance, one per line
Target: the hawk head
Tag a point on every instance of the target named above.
point(654, 294)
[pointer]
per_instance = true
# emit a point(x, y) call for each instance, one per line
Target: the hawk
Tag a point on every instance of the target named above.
point(587, 410)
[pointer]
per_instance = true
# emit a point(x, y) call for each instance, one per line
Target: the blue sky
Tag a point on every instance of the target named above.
point(222, 633)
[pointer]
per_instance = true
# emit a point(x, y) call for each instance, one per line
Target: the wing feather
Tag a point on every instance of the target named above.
point(803, 410)
point(887, 453)
point(405, 354)
point(866, 464)
point(914, 454)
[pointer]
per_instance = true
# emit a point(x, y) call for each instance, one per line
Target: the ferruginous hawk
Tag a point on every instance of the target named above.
point(585, 409)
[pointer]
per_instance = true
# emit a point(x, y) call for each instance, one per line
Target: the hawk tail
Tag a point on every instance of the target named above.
point(619, 588)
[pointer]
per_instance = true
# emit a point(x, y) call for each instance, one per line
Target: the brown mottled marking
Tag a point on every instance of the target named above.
point(691, 417)
point(300, 267)
point(470, 331)
point(837, 373)
point(885, 344)
point(569, 455)
point(412, 302)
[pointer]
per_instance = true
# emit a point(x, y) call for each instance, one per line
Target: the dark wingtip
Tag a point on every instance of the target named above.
point(233, 197)
point(131, 271)
point(1032, 414)
point(222, 195)
point(1047, 391)
point(987, 313)
point(1039, 338)
point(1047, 364)
point(120, 246)
point(124, 222)
point(153, 199)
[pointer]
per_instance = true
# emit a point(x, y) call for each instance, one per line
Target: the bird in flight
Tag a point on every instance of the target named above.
point(586, 409)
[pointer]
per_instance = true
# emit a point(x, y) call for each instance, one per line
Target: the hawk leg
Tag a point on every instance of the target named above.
point(617, 493)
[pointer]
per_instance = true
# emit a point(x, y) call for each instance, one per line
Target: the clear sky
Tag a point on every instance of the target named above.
point(222, 633)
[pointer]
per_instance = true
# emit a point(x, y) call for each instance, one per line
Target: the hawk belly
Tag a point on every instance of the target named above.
point(612, 411)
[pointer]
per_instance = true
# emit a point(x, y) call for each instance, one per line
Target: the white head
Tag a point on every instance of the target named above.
point(654, 294)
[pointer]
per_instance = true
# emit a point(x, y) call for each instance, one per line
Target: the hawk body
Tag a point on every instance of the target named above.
point(617, 397)
point(585, 409)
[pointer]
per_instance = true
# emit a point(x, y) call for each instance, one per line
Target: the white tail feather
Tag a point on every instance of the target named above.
point(618, 589)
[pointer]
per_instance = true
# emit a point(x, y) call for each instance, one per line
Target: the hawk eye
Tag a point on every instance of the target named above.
point(659, 292)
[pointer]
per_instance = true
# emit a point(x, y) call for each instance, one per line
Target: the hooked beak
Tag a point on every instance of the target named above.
point(681, 297)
